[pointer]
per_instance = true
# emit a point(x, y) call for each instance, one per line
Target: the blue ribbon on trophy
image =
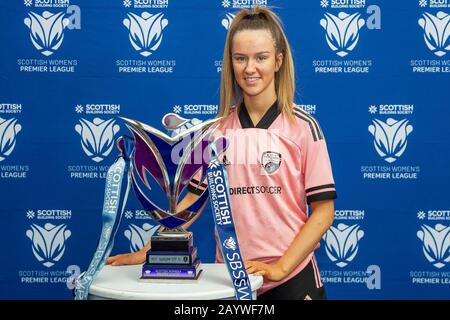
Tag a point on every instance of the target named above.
point(160, 168)
point(116, 193)
point(221, 210)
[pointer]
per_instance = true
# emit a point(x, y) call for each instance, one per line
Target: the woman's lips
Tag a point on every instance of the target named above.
point(251, 80)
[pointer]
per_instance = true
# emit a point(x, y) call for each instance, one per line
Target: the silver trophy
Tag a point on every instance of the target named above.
point(162, 167)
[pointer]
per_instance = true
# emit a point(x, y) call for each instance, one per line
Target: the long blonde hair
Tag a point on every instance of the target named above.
point(258, 19)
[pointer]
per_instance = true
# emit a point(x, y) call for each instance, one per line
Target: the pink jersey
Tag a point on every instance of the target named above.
point(275, 169)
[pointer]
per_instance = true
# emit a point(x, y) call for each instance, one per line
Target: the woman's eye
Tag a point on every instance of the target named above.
point(262, 58)
point(239, 59)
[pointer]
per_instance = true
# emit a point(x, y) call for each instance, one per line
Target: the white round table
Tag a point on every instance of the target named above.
point(122, 282)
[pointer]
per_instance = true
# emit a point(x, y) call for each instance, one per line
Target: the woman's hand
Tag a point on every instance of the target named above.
point(272, 272)
point(127, 258)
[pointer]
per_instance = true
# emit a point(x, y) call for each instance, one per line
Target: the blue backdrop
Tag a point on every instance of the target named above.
point(374, 73)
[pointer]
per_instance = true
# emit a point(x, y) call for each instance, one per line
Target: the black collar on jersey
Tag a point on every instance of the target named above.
point(265, 122)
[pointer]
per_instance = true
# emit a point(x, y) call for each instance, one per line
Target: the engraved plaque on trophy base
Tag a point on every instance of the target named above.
point(172, 257)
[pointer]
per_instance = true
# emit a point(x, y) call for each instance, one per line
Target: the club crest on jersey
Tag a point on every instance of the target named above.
point(271, 161)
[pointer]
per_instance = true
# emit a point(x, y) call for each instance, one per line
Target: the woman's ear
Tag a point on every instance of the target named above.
point(278, 61)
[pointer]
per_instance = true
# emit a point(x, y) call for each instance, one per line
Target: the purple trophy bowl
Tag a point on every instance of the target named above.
point(160, 172)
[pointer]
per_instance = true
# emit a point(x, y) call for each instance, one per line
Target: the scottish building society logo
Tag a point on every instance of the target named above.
point(436, 30)
point(435, 244)
point(342, 243)
point(97, 137)
point(243, 4)
point(9, 128)
point(48, 242)
point(390, 137)
point(230, 244)
point(145, 31)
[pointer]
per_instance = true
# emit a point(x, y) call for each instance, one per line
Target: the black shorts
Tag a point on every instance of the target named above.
point(303, 286)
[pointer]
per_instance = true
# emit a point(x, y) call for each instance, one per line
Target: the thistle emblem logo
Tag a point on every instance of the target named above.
point(8, 131)
point(230, 243)
point(435, 244)
point(97, 137)
point(46, 30)
point(48, 243)
point(342, 32)
point(139, 236)
point(145, 31)
point(390, 137)
point(436, 32)
point(342, 243)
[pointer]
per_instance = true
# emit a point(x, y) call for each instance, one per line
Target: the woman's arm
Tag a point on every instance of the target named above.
point(138, 257)
point(305, 242)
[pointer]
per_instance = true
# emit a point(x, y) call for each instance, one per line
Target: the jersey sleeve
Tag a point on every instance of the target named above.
point(319, 182)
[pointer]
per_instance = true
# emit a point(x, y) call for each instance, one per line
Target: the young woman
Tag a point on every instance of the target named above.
point(277, 162)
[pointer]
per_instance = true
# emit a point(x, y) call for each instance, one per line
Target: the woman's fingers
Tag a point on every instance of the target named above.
point(255, 268)
point(252, 267)
point(248, 265)
point(251, 270)
point(127, 259)
point(111, 259)
point(116, 260)
point(121, 260)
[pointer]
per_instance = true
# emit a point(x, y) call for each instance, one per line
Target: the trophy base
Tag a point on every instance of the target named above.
point(172, 272)
point(172, 256)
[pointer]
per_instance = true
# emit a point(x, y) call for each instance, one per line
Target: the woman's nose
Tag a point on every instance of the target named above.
point(250, 67)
